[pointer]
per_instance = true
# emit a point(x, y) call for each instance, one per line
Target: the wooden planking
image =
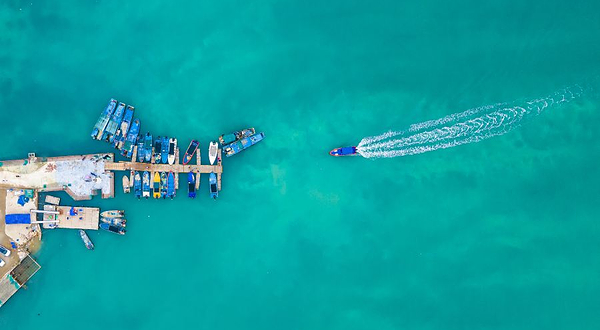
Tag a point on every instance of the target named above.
point(177, 168)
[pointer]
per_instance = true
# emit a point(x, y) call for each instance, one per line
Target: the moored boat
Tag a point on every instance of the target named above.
point(189, 153)
point(344, 151)
point(191, 185)
point(141, 152)
point(163, 184)
point(230, 138)
point(146, 184)
point(212, 183)
point(213, 149)
point(164, 152)
point(156, 185)
point(171, 185)
point(137, 185)
point(113, 124)
point(86, 239)
point(157, 150)
point(148, 147)
point(121, 134)
point(126, 186)
point(243, 144)
point(112, 214)
point(112, 228)
point(172, 150)
point(103, 120)
point(121, 222)
point(132, 137)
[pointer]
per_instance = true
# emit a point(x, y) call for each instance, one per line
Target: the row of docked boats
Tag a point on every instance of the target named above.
point(113, 221)
point(162, 184)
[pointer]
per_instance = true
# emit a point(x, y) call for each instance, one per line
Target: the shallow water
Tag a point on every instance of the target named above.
point(501, 234)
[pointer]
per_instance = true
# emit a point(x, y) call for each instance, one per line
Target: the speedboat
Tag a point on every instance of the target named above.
point(164, 150)
point(156, 186)
point(148, 147)
point(141, 152)
point(126, 186)
point(344, 151)
point(214, 189)
point(163, 185)
point(171, 185)
point(86, 240)
point(172, 150)
point(191, 185)
point(189, 153)
point(146, 184)
point(112, 228)
point(137, 185)
point(157, 150)
point(113, 214)
point(213, 149)
point(122, 222)
point(103, 120)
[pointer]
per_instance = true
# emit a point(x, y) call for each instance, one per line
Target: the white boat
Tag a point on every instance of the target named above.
point(172, 150)
point(213, 149)
point(126, 186)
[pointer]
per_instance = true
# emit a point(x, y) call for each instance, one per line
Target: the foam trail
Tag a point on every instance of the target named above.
point(469, 126)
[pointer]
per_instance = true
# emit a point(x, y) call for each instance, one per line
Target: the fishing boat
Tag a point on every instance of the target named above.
point(103, 119)
point(121, 134)
point(146, 184)
point(148, 147)
point(191, 185)
point(113, 124)
point(112, 228)
point(344, 151)
point(126, 186)
point(157, 150)
point(164, 151)
point(141, 152)
point(212, 180)
point(171, 185)
point(113, 214)
point(243, 144)
point(156, 186)
point(163, 184)
point(86, 240)
point(132, 137)
point(137, 185)
point(189, 153)
point(121, 222)
point(213, 149)
point(230, 138)
point(172, 150)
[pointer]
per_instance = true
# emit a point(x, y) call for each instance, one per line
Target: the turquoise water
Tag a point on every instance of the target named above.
point(500, 234)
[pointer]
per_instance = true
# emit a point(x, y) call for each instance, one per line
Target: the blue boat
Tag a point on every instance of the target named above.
point(157, 150)
point(171, 185)
point(115, 121)
point(103, 119)
point(137, 185)
point(146, 184)
point(140, 151)
point(163, 185)
point(112, 228)
point(132, 137)
point(214, 189)
point(230, 138)
point(164, 150)
point(191, 185)
point(344, 151)
point(148, 147)
point(121, 134)
point(243, 144)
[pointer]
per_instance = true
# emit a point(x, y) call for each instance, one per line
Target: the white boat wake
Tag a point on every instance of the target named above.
point(465, 127)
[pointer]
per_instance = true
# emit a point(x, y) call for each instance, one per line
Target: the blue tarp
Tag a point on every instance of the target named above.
point(12, 219)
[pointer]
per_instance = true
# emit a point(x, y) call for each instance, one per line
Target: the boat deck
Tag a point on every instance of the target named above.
point(85, 218)
point(12, 281)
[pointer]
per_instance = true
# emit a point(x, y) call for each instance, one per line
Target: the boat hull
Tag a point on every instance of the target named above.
point(243, 144)
point(344, 151)
point(189, 153)
point(213, 150)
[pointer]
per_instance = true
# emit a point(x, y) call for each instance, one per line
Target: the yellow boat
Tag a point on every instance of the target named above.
point(156, 186)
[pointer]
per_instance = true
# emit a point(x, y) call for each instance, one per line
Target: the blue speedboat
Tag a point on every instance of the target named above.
point(212, 183)
point(141, 152)
point(191, 185)
point(171, 185)
point(163, 185)
point(344, 151)
point(157, 150)
point(115, 121)
point(132, 137)
point(148, 147)
point(137, 185)
point(112, 228)
point(164, 151)
point(146, 184)
point(121, 134)
point(243, 144)
point(104, 119)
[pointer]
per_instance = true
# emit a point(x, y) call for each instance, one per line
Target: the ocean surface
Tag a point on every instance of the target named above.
point(499, 234)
